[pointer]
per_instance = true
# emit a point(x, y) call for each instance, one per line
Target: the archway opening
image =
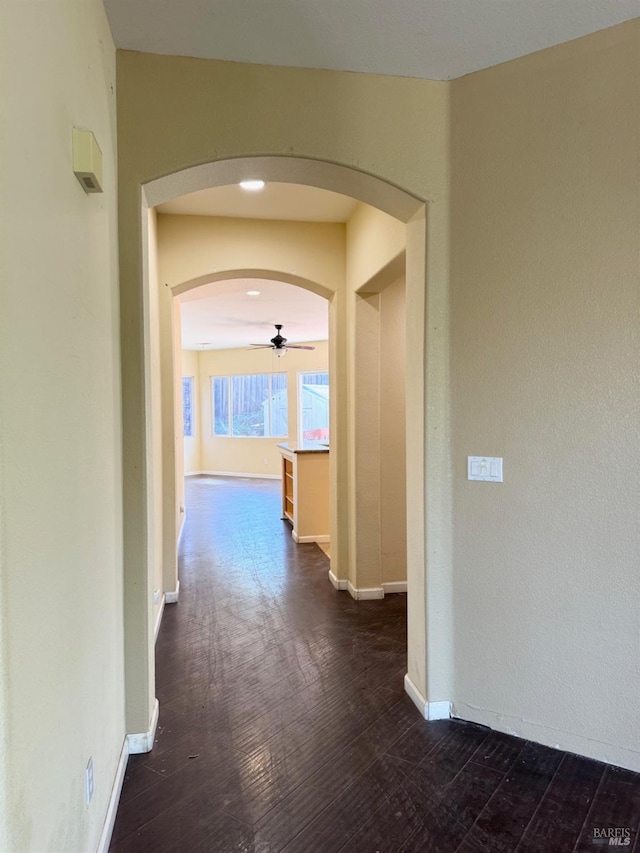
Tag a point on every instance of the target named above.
point(248, 403)
point(411, 213)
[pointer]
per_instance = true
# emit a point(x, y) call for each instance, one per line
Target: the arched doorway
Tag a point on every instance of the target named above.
point(139, 487)
point(218, 306)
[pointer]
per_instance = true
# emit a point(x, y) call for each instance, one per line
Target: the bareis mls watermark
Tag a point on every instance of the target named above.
point(611, 836)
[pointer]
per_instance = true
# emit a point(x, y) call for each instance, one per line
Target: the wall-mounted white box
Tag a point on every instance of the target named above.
point(485, 468)
point(87, 160)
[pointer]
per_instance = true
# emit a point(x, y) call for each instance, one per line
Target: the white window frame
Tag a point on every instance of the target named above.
point(299, 383)
point(229, 377)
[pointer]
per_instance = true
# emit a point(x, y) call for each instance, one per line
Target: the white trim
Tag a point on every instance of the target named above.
point(114, 799)
point(172, 597)
point(244, 475)
point(365, 594)
point(429, 710)
point(303, 540)
point(338, 584)
point(139, 742)
point(416, 697)
point(159, 619)
point(439, 710)
point(394, 586)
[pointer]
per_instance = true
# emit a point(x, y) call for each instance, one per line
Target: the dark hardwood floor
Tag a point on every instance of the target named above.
point(284, 725)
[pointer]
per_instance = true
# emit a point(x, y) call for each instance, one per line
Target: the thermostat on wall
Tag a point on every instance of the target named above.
point(87, 160)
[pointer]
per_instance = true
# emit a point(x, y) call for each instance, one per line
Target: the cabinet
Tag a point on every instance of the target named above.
point(287, 488)
point(305, 490)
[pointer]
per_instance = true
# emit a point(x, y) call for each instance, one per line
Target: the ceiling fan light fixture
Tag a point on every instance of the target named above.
point(253, 185)
point(278, 343)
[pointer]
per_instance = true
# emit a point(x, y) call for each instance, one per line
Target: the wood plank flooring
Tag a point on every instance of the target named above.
point(284, 725)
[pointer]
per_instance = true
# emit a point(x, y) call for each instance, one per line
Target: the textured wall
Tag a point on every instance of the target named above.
point(393, 479)
point(545, 352)
point(312, 118)
point(61, 484)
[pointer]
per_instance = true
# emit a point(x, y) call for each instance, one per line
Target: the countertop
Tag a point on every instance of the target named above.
point(304, 447)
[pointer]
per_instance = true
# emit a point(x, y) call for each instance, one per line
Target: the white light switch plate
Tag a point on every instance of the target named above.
point(485, 468)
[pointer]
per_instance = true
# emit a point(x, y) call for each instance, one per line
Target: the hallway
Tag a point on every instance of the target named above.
point(284, 724)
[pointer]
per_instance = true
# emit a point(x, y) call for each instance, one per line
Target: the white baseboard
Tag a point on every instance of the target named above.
point(365, 594)
point(394, 586)
point(429, 710)
point(172, 597)
point(114, 799)
point(416, 697)
point(159, 619)
point(555, 738)
point(303, 540)
point(338, 584)
point(143, 741)
point(368, 593)
point(251, 476)
point(438, 710)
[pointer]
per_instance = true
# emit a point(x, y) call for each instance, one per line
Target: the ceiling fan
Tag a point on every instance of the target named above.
point(279, 344)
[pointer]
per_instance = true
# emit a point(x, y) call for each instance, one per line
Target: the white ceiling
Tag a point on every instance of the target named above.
point(292, 202)
point(432, 39)
point(222, 316)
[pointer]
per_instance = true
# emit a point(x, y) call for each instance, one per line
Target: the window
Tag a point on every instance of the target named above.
point(187, 406)
point(220, 397)
point(250, 406)
point(314, 406)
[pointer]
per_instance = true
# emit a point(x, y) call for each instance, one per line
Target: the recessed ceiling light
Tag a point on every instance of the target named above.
point(253, 293)
point(252, 186)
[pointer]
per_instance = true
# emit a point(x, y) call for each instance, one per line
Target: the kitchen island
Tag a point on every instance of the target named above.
point(305, 489)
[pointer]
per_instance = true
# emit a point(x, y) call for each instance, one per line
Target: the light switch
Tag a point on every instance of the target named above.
point(485, 468)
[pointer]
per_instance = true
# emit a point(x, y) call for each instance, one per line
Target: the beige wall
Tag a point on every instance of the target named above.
point(376, 243)
point(177, 495)
point(61, 684)
point(393, 480)
point(342, 138)
point(194, 249)
point(154, 426)
point(190, 367)
point(545, 353)
point(376, 251)
point(544, 358)
point(251, 455)
point(545, 208)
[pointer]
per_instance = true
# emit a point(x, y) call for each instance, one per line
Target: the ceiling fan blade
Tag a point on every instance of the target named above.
point(279, 344)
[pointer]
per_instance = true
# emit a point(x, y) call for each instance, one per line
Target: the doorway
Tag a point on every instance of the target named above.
point(413, 213)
